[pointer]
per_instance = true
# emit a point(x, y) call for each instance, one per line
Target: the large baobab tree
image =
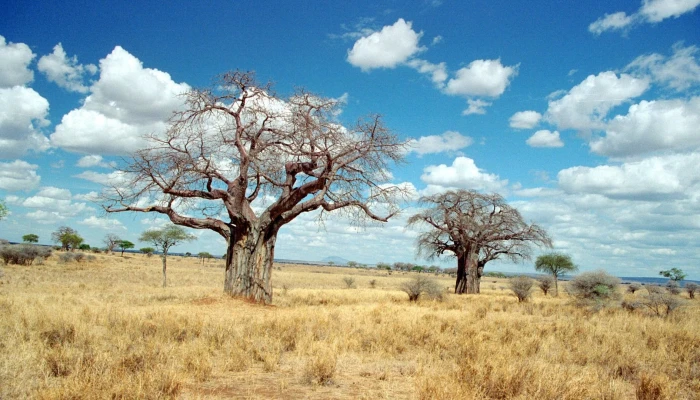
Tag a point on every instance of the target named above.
point(243, 162)
point(475, 228)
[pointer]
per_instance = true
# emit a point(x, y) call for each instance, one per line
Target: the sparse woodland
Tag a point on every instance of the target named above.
point(105, 328)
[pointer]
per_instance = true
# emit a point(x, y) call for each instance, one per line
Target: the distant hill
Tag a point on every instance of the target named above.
point(335, 260)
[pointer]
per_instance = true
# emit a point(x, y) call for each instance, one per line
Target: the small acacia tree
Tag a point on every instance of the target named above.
point(476, 228)
point(164, 239)
point(674, 274)
point(148, 251)
point(555, 264)
point(236, 143)
point(30, 238)
point(125, 245)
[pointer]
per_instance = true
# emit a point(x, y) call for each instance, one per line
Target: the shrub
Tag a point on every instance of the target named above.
point(596, 286)
point(421, 285)
point(521, 286)
point(320, 367)
point(373, 283)
point(691, 288)
point(673, 287)
point(349, 282)
point(633, 287)
point(71, 257)
point(654, 289)
point(662, 304)
point(23, 254)
point(545, 283)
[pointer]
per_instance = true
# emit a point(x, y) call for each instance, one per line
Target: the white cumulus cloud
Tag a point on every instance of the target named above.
point(487, 78)
point(659, 177)
point(448, 141)
point(545, 138)
point(651, 11)
point(652, 126)
point(585, 106)
point(14, 63)
point(64, 71)
point(679, 72)
point(525, 119)
point(463, 174)
point(106, 224)
point(18, 175)
point(391, 46)
point(22, 113)
point(126, 102)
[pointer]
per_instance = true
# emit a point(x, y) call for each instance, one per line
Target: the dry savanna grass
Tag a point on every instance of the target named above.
point(105, 329)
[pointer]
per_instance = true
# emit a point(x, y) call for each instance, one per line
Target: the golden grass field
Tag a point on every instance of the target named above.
point(107, 330)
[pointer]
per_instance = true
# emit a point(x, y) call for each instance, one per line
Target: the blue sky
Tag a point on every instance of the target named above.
point(584, 116)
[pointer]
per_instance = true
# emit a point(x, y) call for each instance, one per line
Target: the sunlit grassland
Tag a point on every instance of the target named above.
point(106, 329)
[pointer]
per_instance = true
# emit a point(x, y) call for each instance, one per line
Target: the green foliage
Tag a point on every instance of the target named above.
point(67, 237)
point(167, 237)
point(521, 287)
point(421, 285)
point(495, 274)
point(30, 238)
point(3, 210)
point(23, 254)
point(125, 245)
point(84, 246)
point(674, 274)
point(147, 251)
point(204, 255)
point(596, 285)
point(555, 264)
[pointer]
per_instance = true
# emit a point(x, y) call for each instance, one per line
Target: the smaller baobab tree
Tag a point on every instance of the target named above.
point(163, 240)
point(475, 228)
point(555, 264)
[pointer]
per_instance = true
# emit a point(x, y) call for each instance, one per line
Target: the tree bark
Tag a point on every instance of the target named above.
point(474, 272)
point(249, 261)
point(461, 283)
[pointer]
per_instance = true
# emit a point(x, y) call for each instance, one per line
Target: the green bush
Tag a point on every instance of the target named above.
point(23, 254)
point(595, 286)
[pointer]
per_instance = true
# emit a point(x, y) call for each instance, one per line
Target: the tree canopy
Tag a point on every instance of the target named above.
point(237, 144)
point(125, 245)
point(674, 274)
point(3, 210)
point(475, 228)
point(164, 239)
point(555, 264)
point(30, 238)
point(67, 237)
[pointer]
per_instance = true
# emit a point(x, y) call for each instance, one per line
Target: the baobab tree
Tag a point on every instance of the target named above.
point(243, 162)
point(475, 228)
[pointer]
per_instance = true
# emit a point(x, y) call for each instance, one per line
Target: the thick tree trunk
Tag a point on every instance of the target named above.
point(461, 283)
point(249, 265)
point(474, 272)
